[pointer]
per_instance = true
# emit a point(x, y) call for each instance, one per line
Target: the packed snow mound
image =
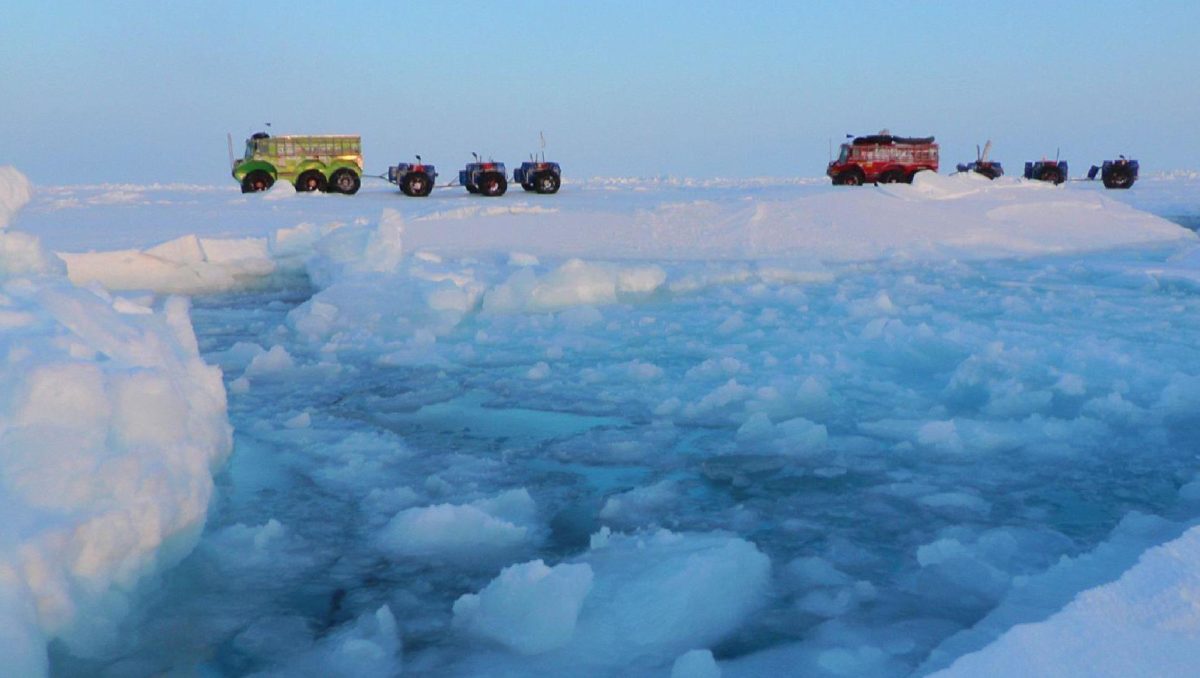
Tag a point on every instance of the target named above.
point(21, 254)
point(937, 217)
point(111, 426)
point(15, 191)
point(1147, 623)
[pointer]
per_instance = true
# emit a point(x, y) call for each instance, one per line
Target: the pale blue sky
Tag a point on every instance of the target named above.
point(142, 91)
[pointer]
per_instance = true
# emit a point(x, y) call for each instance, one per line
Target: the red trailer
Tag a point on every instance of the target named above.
point(883, 159)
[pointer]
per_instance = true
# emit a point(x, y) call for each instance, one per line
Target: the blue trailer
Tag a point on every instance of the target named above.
point(542, 177)
point(414, 179)
point(484, 178)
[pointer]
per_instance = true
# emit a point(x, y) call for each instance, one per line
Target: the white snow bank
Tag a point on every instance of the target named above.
point(481, 531)
point(110, 428)
point(937, 217)
point(187, 265)
point(1034, 598)
point(15, 192)
point(20, 253)
point(1147, 623)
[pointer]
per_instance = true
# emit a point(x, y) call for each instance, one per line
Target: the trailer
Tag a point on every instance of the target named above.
point(1119, 173)
point(539, 176)
point(1051, 171)
point(485, 178)
point(415, 180)
point(992, 169)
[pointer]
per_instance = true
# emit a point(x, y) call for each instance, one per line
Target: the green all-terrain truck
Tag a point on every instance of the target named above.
point(327, 162)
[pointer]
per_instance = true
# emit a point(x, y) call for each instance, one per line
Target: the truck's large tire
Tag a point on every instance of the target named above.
point(546, 182)
point(344, 181)
point(416, 185)
point(310, 181)
point(257, 181)
point(891, 177)
point(492, 184)
point(851, 177)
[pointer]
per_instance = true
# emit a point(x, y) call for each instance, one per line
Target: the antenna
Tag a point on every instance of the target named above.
point(1056, 155)
point(476, 155)
point(542, 137)
point(229, 138)
point(418, 158)
point(987, 148)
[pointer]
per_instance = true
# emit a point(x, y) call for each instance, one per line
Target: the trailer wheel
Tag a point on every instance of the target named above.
point(527, 185)
point(851, 178)
point(546, 182)
point(891, 177)
point(344, 181)
point(493, 184)
point(416, 185)
point(310, 181)
point(256, 181)
point(1118, 177)
point(471, 189)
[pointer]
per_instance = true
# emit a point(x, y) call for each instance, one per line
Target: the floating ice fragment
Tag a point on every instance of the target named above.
point(530, 608)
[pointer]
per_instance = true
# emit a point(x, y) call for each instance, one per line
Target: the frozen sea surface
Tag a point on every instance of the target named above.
point(619, 467)
point(902, 441)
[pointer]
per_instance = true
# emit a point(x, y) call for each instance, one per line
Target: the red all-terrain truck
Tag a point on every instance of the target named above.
point(883, 159)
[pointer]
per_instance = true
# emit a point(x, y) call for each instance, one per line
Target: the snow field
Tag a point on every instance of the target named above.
point(111, 426)
point(937, 217)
